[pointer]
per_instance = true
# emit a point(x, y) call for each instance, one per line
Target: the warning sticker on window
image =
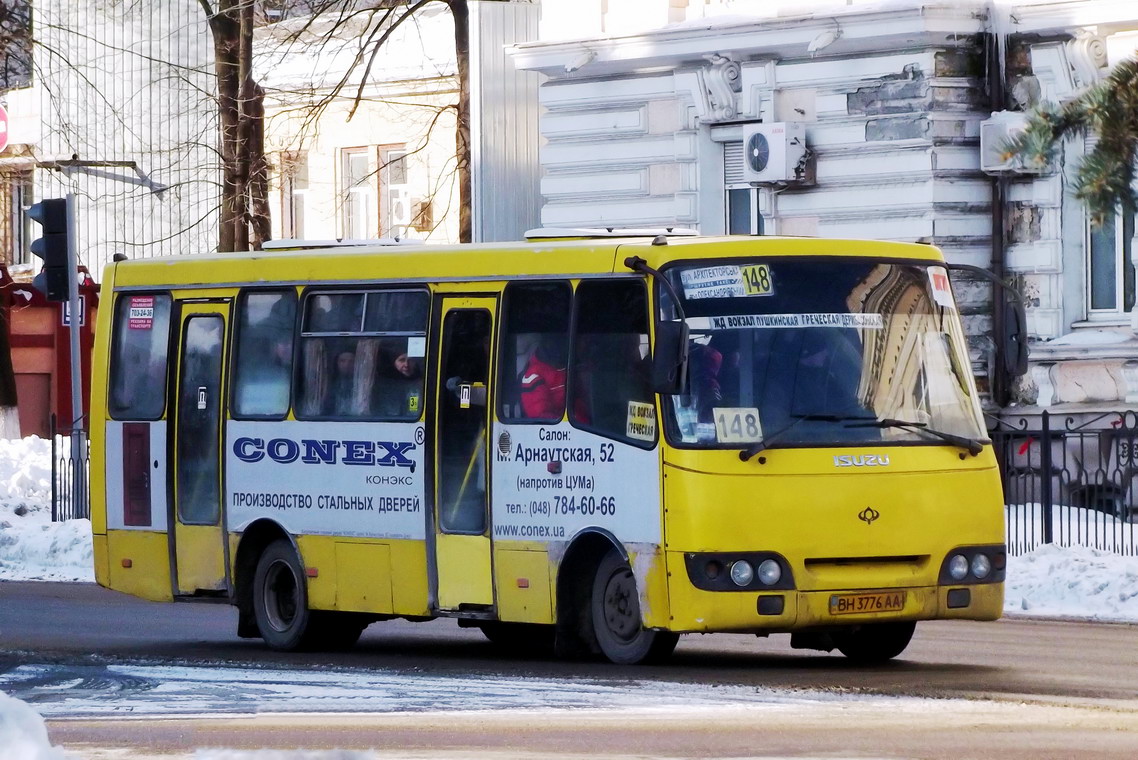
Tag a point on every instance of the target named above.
point(141, 313)
point(641, 423)
point(764, 321)
point(942, 288)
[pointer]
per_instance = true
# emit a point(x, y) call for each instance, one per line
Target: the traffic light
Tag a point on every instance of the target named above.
point(53, 281)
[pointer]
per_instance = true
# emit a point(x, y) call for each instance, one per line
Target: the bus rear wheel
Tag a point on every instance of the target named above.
point(615, 613)
point(871, 644)
point(280, 598)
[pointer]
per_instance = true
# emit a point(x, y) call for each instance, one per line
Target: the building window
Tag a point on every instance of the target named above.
point(358, 194)
point(741, 201)
point(1110, 268)
point(294, 193)
point(397, 212)
point(17, 188)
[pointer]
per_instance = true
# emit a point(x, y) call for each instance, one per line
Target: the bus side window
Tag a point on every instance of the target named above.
point(262, 377)
point(611, 381)
point(138, 357)
point(534, 352)
point(361, 355)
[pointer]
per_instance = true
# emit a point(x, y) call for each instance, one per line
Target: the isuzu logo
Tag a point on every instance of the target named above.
point(868, 515)
point(861, 460)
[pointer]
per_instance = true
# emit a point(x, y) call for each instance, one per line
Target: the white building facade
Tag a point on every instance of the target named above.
point(883, 105)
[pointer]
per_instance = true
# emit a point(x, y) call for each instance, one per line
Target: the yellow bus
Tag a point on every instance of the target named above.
point(597, 441)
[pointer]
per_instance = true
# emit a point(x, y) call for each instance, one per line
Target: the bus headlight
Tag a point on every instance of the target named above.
point(958, 567)
point(770, 572)
point(981, 566)
point(742, 573)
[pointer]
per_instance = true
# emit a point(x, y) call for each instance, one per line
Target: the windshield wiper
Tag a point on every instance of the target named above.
point(973, 445)
point(751, 451)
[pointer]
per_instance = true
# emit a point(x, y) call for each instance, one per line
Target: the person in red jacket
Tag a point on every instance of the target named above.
point(543, 384)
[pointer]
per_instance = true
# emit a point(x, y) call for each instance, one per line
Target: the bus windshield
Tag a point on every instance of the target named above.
point(820, 352)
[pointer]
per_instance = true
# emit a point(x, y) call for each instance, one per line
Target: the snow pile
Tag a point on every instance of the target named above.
point(1072, 581)
point(23, 735)
point(32, 547)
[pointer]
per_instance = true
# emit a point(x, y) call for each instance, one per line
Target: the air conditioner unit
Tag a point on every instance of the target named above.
point(996, 134)
point(775, 153)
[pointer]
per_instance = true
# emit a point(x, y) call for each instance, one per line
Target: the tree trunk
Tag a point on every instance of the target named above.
point(226, 31)
point(260, 220)
point(461, 13)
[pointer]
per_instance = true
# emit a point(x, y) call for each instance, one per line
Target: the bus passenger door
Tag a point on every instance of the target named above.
point(462, 542)
point(198, 533)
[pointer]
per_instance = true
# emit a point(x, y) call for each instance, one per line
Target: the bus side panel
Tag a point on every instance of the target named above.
point(522, 581)
point(410, 595)
point(360, 575)
point(121, 512)
point(140, 564)
point(554, 482)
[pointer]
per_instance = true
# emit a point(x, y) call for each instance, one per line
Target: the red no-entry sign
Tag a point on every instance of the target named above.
point(3, 128)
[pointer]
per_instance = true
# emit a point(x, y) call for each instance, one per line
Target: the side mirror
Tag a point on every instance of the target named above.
point(670, 358)
point(1013, 343)
point(1015, 337)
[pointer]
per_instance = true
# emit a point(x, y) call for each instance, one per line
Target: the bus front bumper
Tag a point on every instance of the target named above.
point(694, 610)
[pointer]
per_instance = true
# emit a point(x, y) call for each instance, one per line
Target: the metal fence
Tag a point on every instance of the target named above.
point(1069, 480)
point(70, 473)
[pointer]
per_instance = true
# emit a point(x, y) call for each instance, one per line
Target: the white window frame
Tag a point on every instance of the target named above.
point(388, 155)
point(1117, 313)
point(358, 196)
point(294, 193)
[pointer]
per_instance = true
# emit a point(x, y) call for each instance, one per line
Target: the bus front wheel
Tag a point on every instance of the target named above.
point(280, 598)
point(870, 644)
point(615, 612)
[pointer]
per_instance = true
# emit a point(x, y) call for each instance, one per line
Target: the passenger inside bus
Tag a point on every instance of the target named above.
point(342, 388)
point(400, 386)
point(705, 362)
point(542, 391)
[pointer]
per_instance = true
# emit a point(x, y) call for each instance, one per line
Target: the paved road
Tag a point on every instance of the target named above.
point(52, 622)
point(1061, 689)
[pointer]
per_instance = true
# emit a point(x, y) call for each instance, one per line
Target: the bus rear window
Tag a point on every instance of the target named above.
point(138, 356)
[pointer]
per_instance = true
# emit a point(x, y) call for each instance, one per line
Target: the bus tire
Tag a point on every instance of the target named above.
point(280, 599)
point(615, 614)
point(875, 643)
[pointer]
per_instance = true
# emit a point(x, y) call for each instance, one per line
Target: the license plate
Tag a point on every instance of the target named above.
point(854, 604)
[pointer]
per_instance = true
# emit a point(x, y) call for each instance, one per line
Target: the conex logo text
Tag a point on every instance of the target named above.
point(861, 460)
point(313, 451)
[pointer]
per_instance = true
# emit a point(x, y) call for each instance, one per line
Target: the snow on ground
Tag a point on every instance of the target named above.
point(32, 547)
point(23, 735)
point(1073, 581)
point(1050, 580)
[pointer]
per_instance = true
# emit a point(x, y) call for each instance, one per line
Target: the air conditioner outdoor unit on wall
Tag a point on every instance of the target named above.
point(775, 153)
point(995, 134)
